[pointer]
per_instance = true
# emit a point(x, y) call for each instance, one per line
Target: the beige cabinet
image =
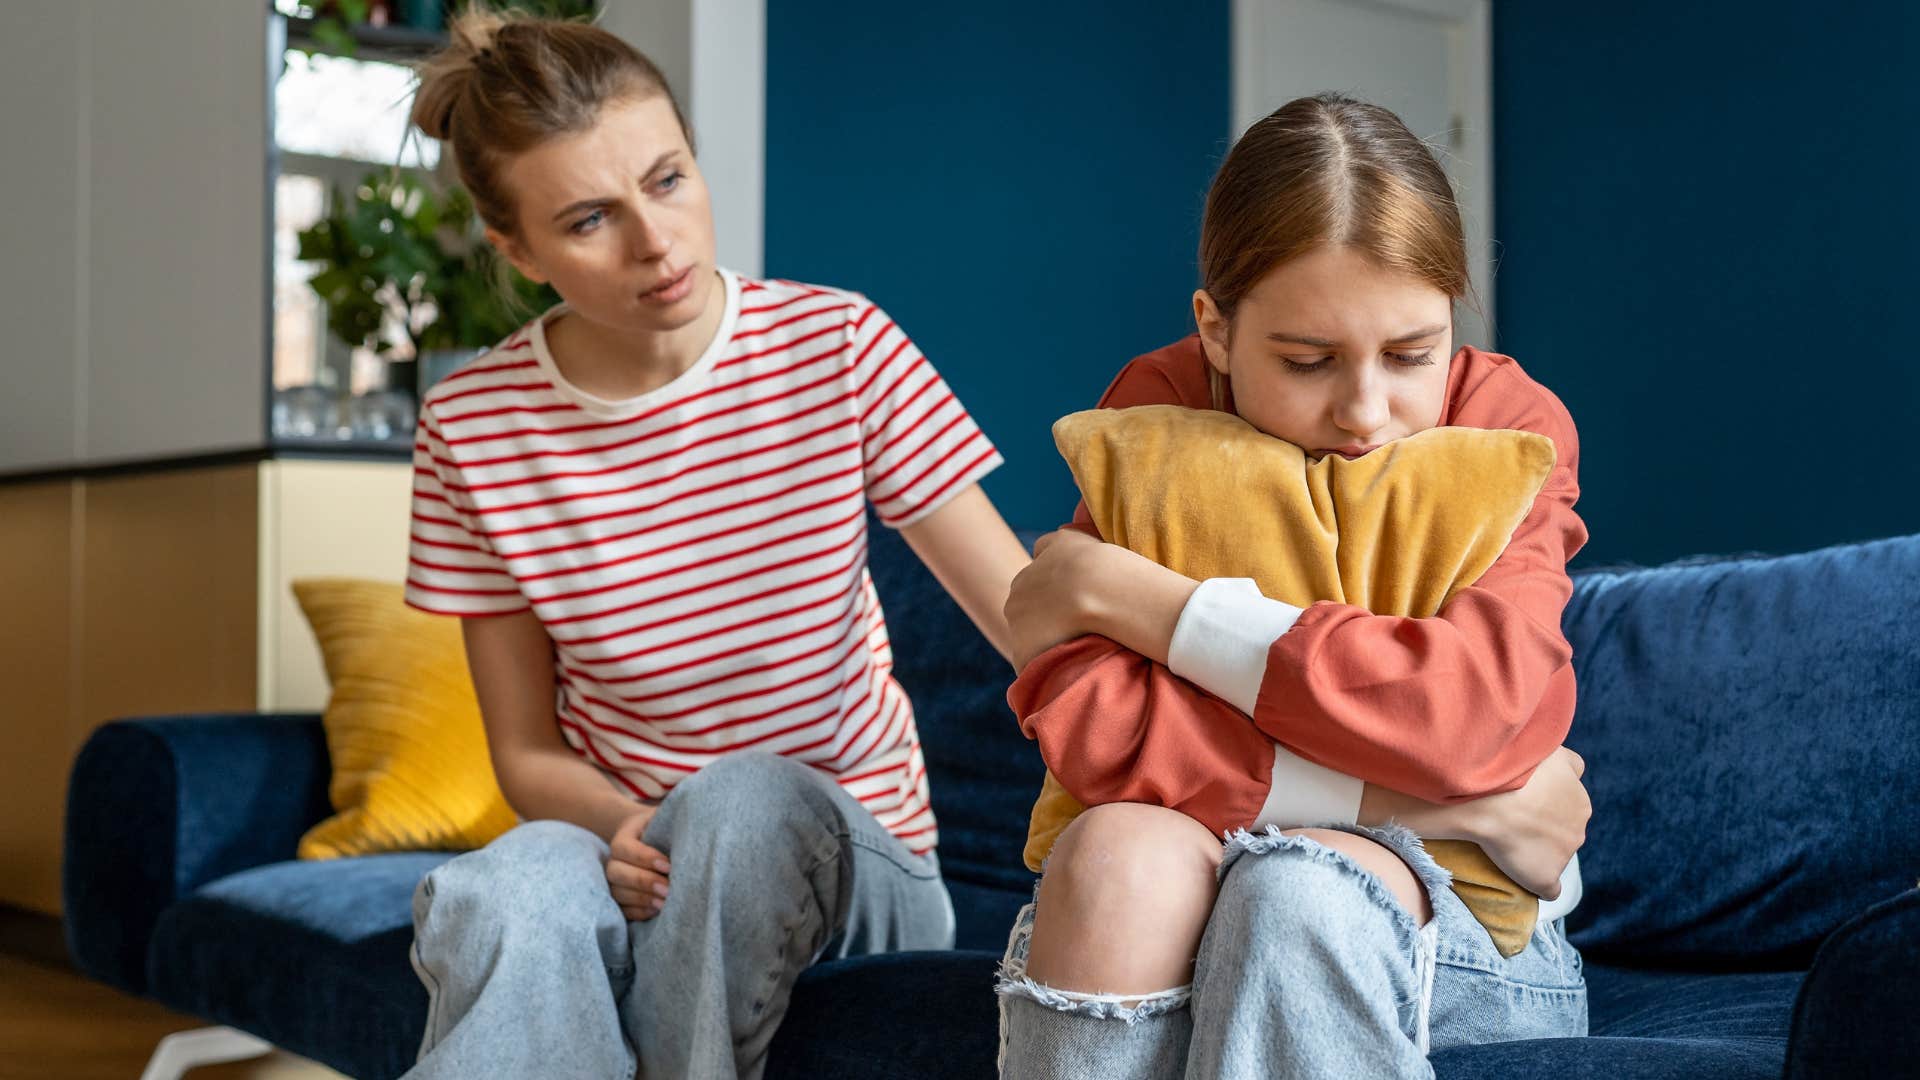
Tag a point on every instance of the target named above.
point(164, 592)
point(36, 668)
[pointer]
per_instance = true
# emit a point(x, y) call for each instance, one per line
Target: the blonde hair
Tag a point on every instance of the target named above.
point(507, 82)
point(1328, 170)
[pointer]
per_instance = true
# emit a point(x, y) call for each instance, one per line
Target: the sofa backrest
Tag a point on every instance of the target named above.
point(1751, 729)
point(984, 773)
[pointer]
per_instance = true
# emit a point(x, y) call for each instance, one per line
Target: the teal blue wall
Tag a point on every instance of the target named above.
point(1708, 214)
point(1019, 185)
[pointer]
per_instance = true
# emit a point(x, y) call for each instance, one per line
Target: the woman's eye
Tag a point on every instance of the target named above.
point(1413, 359)
point(1306, 367)
point(671, 181)
point(588, 223)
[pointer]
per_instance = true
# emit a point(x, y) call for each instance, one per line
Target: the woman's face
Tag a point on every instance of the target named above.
point(617, 218)
point(1334, 354)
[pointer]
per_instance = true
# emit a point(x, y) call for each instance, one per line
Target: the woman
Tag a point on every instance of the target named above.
point(648, 508)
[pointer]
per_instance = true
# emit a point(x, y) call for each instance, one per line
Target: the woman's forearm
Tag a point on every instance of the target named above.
point(546, 785)
point(968, 547)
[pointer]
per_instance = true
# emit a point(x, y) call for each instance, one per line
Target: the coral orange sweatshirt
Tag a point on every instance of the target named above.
point(1449, 708)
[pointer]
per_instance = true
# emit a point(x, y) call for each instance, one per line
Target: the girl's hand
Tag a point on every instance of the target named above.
point(1078, 585)
point(636, 873)
point(1531, 833)
point(1045, 601)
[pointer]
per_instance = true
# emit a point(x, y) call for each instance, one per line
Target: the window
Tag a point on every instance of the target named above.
point(335, 107)
point(335, 120)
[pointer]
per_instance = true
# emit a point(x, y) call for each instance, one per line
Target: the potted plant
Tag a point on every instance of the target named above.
point(406, 272)
point(336, 26)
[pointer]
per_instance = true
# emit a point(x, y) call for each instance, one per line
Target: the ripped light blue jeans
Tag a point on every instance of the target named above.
point(532, 970)
point(1308, 968)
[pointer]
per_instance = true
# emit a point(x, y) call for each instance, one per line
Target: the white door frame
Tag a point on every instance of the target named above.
point(1470, 67)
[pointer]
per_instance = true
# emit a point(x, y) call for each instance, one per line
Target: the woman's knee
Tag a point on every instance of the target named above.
point(748, 806)
point(534, 853)
point(547, 873)
point(747, 786)
point(1125, 898)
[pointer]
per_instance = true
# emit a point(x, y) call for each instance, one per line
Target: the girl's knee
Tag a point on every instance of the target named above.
point(1307, 884)
point(1124, 900)
point(1133, 853)
point(1383, 863)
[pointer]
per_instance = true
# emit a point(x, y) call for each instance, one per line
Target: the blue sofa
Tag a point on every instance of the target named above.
point(1751, 728)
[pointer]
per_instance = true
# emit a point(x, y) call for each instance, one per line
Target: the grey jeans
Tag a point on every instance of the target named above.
point(532, 970)
point(1308, 968)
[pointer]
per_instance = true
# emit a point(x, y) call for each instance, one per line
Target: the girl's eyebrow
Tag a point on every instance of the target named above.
point(1287, 338)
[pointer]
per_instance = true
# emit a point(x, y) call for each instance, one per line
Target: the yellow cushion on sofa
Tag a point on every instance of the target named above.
point(410, 764)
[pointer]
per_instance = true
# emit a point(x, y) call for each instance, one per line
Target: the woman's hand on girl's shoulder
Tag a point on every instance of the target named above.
point(637, 873)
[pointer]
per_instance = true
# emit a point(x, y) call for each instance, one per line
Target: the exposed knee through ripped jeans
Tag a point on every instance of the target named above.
point(1308, 967)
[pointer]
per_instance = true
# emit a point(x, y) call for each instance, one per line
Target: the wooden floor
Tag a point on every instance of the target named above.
point(55, 1023)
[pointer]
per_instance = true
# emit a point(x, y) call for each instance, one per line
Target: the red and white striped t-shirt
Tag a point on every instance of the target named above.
point(698, 554)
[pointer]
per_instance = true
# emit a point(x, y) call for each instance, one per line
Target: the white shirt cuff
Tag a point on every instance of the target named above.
point(1303, 793)
point(1569, 893)
point(1221, 644)
point(1223, 636)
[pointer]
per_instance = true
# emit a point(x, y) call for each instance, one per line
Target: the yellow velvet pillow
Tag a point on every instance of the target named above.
point(1397, 532)
point(410, 764)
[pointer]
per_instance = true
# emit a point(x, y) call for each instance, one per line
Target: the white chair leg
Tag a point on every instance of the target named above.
point(185, 1050)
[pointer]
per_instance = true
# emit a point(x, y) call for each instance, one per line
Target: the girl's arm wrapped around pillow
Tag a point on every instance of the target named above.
point(1452, 707)
point(1114, 726)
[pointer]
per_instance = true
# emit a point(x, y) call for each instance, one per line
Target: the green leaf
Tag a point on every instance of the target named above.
point(397, 248)
point(335, 36)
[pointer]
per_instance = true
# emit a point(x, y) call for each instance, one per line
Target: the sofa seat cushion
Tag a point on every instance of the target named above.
point(1600, 1058)
point(925, 1015)
point(310, 955)
point(313, 957)
point(983, 914)
point(1647, 1025)
point(1671, 1004)
point(1653, 1025)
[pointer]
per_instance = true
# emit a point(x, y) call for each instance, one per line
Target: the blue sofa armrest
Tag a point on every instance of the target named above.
point(158, 807)
point(1854, 1015)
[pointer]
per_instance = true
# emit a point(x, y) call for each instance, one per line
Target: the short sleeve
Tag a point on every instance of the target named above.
point(451, 568)
point(919, 445)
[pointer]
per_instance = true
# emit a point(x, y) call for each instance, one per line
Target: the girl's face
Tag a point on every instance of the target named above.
point(617, 218)
point(1334, 354)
